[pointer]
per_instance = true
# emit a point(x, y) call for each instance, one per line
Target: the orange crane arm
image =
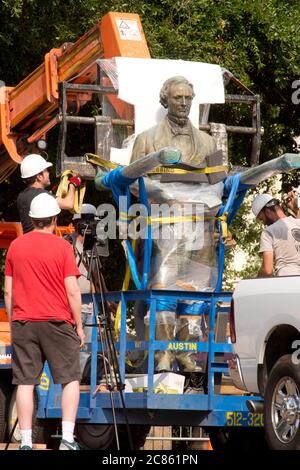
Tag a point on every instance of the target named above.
point(29, 110)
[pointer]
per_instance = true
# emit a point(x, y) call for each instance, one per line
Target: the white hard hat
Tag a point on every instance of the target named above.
point(259, 203)
point(86, 209)
point(44, 205)
point(33, 164)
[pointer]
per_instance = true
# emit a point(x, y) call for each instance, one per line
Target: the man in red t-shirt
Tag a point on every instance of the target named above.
point(43, 302)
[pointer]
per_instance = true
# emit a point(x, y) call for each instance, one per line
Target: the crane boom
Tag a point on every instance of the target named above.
point(30, 109)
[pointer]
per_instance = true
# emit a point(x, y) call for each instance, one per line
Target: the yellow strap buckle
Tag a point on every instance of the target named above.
point(224, 226)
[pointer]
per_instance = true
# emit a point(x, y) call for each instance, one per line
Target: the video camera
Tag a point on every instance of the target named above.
point(93, 235)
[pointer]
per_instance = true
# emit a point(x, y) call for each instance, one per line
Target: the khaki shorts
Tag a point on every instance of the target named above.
point(37, 342)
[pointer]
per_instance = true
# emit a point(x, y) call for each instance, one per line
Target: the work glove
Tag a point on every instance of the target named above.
point(76, 180)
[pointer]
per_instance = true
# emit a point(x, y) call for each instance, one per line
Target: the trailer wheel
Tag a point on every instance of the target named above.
point(94, 436)
point(230, 439)
point(281, 405)
point(42, 429)
point(5, 392)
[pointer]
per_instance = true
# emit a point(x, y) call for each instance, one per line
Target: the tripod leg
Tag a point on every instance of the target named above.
point(11, 434)
point(107, 341)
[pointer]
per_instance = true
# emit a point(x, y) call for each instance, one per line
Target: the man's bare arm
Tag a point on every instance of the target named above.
point(266, 269)
point(67, 203)
point(74, 298)
point(8, 296)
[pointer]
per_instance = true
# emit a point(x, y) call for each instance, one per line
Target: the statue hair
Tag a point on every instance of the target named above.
point(164, 92)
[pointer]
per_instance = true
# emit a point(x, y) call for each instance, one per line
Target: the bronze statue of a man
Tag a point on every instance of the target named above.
point(177, 264)
point(176, 130)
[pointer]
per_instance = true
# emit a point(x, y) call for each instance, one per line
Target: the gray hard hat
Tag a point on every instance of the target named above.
point(260, 202)
point(86, 209)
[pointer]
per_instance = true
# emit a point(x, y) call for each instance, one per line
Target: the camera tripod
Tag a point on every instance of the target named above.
point(112, 375)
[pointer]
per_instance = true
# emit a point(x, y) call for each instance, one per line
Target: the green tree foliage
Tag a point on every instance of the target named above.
point(259, 42)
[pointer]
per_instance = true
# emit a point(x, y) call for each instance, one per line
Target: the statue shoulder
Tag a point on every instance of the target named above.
point(205, 140)
point(148, 133)
point(144, 143)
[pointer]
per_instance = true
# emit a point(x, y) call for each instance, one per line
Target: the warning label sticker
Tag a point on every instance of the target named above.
point(129, 30)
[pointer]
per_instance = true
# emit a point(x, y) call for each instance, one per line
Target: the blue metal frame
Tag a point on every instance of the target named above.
point(149, 407)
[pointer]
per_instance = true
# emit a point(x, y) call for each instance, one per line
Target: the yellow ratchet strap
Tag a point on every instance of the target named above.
point(100, 161)
point(164, 220)
point(180, 171)
point(63, 188)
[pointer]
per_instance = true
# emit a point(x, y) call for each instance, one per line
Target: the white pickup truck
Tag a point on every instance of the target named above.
point(265, 332)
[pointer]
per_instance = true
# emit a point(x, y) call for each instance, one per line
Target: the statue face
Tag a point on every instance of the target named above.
point(180, 100)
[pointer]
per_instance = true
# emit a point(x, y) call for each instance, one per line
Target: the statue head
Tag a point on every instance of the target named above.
point(177, 95)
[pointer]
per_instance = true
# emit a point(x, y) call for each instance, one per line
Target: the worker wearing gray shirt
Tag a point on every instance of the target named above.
point(280, 240)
